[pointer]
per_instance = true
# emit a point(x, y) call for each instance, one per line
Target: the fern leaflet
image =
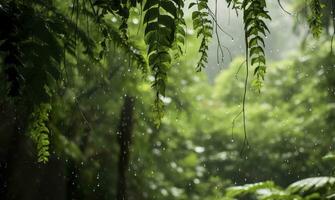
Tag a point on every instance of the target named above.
point(255, 29)
point(39, 132)
point(159, 36)
point(203, 25)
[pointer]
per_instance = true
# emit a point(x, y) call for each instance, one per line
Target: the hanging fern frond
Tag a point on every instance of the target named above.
point(159, 36)
point(180, 32)
point(120, 8)
point(39, 132)
point(315, 18)
point(204, 27)
point(33, 48)
point(254, 14)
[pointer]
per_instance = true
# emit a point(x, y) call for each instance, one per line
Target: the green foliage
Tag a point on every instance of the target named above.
point(68, 148)
point(330, 156)
point(110, 34)
point(306, 189)
point(203, 25)
point(314, 19)
point(53, 34)
point(197, 156)
point(254, 14)
point(160, 32)
point(295, 122)
point(180, 32)
point(234, 4)
point(249, 188)
point(39, 132)
point(120, 8)
point(319, 15)
point(321, 185)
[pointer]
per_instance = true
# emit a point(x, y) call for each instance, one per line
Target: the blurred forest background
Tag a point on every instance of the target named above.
point(77, 82)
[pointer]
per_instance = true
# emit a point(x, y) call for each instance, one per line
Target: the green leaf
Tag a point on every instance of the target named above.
point(151, 14)
point(167, 21)
point(150, 3)
point(169, 7)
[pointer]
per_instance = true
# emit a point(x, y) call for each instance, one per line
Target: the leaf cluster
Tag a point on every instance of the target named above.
point(306, 189)
point(254, 16)
point(39, 132)
point(163, 25)
point(204, 27)
point(315, 18)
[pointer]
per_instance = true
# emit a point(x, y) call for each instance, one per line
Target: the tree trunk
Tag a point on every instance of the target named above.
point(124, 135)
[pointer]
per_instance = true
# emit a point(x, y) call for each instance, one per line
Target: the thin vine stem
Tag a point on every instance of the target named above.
point(233, 124)
point(239, 68)
point(212, 14)
point(333, 20)
point(245, 141)
point(219, 47)
point(217, 35)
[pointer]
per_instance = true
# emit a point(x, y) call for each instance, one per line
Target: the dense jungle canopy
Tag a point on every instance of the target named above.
point(167, 99)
